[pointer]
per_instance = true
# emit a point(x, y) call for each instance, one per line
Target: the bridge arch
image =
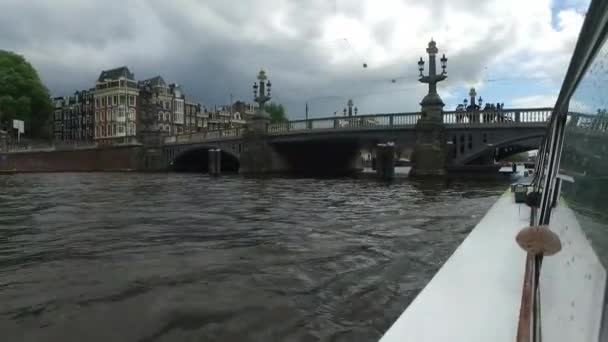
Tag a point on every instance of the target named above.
point(506, 148)
point(196, 159)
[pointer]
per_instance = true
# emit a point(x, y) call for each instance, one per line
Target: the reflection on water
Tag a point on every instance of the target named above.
point(145, 257)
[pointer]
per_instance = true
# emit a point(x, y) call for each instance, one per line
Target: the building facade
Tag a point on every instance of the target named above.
point(229, 116)
point(73, 118)
point(194, 120)
point(177, 107)
point(58, 104)
point(122, 110)
point(165, 107)
point(115, 95)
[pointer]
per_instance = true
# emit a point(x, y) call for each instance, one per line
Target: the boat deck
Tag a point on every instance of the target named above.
point(476, 295)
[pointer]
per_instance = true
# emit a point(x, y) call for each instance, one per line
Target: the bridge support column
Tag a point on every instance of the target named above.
point(153, 158)
point(258, 156)
point(385, 161)
point(215, 162)
point(430, 151)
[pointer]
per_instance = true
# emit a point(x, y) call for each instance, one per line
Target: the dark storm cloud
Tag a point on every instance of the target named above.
point(214, 48)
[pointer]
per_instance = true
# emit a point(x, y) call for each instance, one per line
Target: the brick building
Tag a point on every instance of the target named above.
point(163, 106)
point(116, 94)
point(73, 117)
point(194, 120)
point(122, 110)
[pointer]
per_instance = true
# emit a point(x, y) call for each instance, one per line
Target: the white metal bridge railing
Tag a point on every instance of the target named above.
point(481, 117)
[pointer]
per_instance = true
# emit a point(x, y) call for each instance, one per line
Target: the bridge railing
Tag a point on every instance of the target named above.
point(203, 136)
point(341, 122)
point(533, 115)
point(503, 116)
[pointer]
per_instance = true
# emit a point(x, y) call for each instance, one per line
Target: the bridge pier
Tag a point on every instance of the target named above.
point(258, 156)
point(215, 161)
point(430, 149)
point(430, 155)
point(385, 161)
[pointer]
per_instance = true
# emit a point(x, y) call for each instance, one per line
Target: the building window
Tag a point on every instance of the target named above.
point(122, 83)
point(114, 129)
point(97, 102)
point(114, 114)
point(121, 113)
point(109, 99)
point(115, 100)
point(121, 129)
point(103, 101)
point(132, 114)
point(131, 100)
point(96, 116)
point(103, 131)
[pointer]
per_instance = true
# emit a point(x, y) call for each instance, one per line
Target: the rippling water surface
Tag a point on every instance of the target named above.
point(185, 257)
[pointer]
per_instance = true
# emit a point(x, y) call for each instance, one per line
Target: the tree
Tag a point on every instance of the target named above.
point(277, 112)
point(23, 96)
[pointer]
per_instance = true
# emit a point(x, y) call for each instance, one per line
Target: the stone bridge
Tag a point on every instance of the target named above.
point(333, 144)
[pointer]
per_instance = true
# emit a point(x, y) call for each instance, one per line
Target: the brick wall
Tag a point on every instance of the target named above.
point(123, 158)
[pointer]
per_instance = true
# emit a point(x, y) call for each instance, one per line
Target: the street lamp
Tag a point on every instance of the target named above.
point(350, 105)
point(261, 90)
point(432, 104)
point(444, 64)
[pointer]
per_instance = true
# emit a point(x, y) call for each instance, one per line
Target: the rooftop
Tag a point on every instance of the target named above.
point(114, 74)
point(154, 81)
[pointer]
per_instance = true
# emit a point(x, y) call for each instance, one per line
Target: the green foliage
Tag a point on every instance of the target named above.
point(23, 96)
point(277, 112)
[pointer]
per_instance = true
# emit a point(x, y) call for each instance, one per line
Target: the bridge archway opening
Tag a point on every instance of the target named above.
point(488, 154)
point(321, 158)
point(501, 153)
point(197, 160)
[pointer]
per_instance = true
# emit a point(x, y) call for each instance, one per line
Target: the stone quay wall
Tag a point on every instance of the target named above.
point(111, 158)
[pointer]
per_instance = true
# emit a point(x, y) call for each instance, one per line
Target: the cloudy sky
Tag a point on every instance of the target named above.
point(513, 51)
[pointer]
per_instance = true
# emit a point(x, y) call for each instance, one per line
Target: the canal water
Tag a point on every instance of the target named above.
point(185, 257)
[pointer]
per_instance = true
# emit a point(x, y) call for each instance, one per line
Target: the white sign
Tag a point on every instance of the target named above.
point(18, 125)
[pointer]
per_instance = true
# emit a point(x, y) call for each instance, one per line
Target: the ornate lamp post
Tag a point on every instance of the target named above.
point(432, 103)
point(350, 105)
point(261, 91)
point(473, 106)
point(430, 155)
point(261, 95)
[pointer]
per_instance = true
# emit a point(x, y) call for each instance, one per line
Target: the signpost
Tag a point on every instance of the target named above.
point(18, 125)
